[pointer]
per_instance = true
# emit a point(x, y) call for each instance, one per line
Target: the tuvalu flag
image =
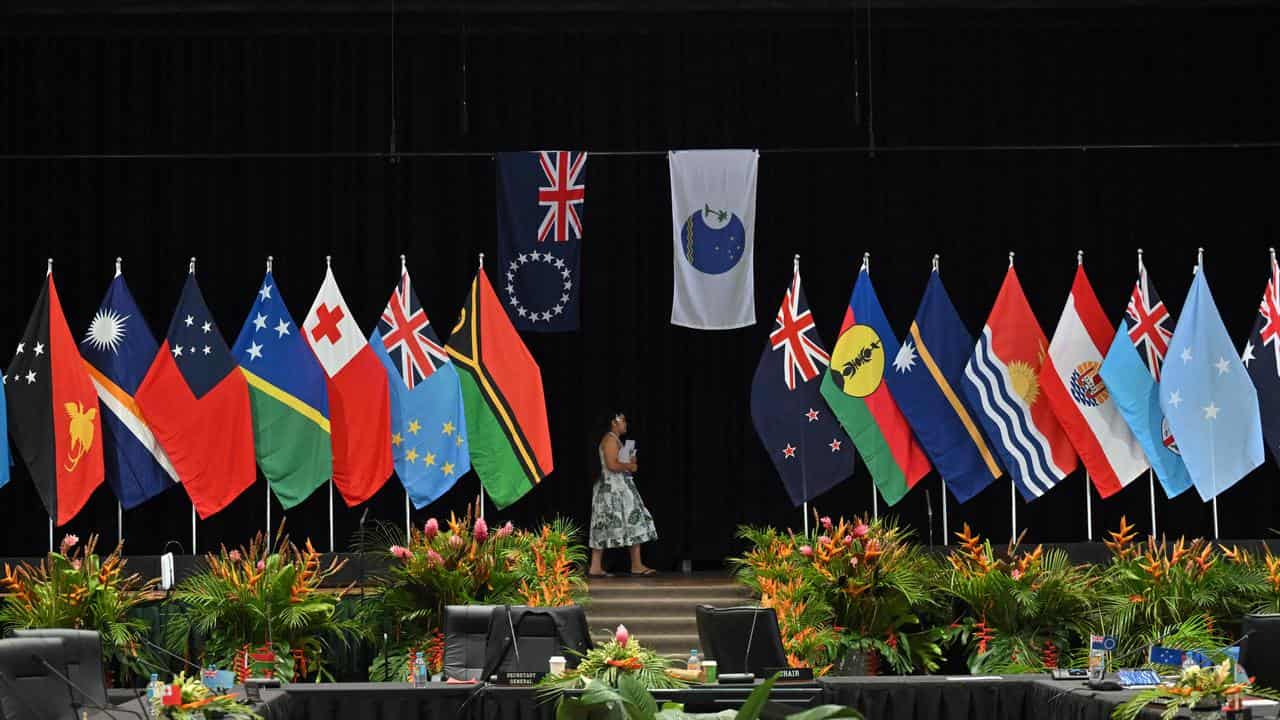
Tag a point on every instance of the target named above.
point(855, 389)
point(197, 404)
point(506, 412)
point(926, 377)
point(288, 396)
point(118, 349)
point(53, 412)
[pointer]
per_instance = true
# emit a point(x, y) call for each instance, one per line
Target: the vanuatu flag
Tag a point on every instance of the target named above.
point(505, 409)
point(855, 389)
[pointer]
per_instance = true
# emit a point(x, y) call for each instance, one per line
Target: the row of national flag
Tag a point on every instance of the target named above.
point(1117, 399)
point(305, 404)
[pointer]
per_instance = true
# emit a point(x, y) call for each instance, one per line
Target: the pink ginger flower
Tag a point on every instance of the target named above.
point(262, 565)
point(826, 522)
point(506, 530)
point(848, 539)
point(433, 558)
point(401, 552)
point(824, 540)
point(431, 529)
point(455, 541)
point(1016, 574)
point(861, 529)
point(621, 635)
point(234, 556)
point(481, 530)
point(806, 551)
point(68, 541)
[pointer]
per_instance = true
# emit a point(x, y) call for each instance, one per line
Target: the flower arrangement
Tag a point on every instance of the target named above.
point(263, 596)
point(631, 701)
point(199, 702)
point(1196, 688)
point(75, 588)
point(622, 657)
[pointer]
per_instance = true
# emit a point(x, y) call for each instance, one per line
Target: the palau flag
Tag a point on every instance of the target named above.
point(1131, 372)
point(288, 396)
point(855, 389)
point(1264, 367)
point(1207, 395)
point(925, 381)
point(428, 422)
point(118, 348)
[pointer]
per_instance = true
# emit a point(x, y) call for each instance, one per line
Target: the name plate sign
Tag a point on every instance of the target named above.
point(520, 679)
point(790, 674)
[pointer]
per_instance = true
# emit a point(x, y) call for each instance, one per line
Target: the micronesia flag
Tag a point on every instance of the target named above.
point(926, 382)
point(541, 202)
point(428, 423)
point(118, 348)
point(804, 439)
point(1206, 394)
point(1131, 371)
point(1264, 367)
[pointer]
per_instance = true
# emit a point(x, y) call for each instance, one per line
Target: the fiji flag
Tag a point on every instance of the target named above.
point(1206, 394)
point(118, 348)
point(541, 199)
point(428, 424)
point(810, 450)
point(1131, 372)
point(1264, 367)
point(926, 382)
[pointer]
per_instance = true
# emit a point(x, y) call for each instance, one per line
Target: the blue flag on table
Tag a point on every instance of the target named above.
point(1131, 371)
point(428, 422)
point(118, 348)
point(5, 459)
point(541, 199)
point(804, 439)
point(1206, 394)
point(925, 381)
point(1262, 358)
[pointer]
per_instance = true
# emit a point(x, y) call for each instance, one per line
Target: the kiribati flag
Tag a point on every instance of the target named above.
point(118, 348)
point(541, 200)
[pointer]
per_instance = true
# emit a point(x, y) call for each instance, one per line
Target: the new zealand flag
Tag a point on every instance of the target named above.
point(541, 198)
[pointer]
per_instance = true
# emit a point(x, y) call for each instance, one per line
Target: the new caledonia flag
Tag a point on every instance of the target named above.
point(855, 389)
point(53, 410)
point(506, 413)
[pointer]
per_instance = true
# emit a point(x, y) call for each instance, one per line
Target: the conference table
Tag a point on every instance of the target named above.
point(914, 697)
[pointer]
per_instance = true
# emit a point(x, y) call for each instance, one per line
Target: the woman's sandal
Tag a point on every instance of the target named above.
point(599, 575)
point(645, 573)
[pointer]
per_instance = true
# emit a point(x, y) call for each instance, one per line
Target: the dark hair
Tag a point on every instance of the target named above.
point(607, 420)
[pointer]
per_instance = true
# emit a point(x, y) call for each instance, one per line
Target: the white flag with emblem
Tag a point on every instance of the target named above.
point(330, 330)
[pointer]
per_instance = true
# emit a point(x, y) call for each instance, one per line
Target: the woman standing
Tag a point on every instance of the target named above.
point(618, 515)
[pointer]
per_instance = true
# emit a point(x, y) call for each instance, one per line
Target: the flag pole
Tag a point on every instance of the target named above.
point(191, 270)
point(946, 531)
point(47, 272)
point(270, 261)
point(1013, 490)
point(119, 505)
point(1088, 494)
point(875, 495)
point(328, 264)
point(1151, 485)
point(480, 499)
point(795, 269)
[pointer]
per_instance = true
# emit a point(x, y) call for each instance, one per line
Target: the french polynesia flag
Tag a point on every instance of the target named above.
point(359, 402)
point(196, 401)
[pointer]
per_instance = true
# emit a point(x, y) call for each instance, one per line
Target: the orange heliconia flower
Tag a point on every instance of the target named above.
point(1121, 541)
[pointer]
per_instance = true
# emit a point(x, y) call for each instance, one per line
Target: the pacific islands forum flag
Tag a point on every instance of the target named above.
point(1262, 358)
point(506, 412)
point(541, 201)
point(1079, 398)
point(1131, 372)
point(428, 423)
point(359, 404)
point(53, 412)
point(855, 388)
point(713, 216)
point(1002, 384)
point(926, 381)
point(197, 403)
point(118, 349)
point(809, 449)
point(289, 399)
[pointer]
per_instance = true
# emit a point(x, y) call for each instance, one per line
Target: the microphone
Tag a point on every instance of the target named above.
point(364, 516)
point(18, 694)
point(173, 655)
point(92, 703)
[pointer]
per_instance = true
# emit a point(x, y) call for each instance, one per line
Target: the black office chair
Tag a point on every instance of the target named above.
point(1260, 648)
point(741, 639)
point(28, 691)
point(539, 633)
point(83, 650)
point(466, 630)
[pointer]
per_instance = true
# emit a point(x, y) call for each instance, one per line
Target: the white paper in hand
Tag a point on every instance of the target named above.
point(627, 451)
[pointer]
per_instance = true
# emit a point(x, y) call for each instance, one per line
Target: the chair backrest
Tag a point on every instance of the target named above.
point(727, 633)
point(466, 630)
point(1260, 648)
point(28, 691)
point(539, 633)
point(83, 649)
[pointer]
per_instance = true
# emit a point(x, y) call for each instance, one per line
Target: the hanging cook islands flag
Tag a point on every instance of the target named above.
point(428, 423)
point(118, 349)
point(197, 402)
point(541, 199)
point(804, 440)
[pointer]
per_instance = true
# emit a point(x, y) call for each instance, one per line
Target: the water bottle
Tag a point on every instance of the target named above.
point(420, 676)
point(1097, 665)
point(695, 662)
point(153, 687)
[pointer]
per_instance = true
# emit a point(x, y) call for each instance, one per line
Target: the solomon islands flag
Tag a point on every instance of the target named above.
point(118, 348)
point(926, 382)
point(289, 399)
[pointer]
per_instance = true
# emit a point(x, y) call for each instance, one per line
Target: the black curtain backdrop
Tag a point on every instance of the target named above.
point(169, 86)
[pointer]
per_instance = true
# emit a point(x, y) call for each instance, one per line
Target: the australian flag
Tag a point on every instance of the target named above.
point(804, 439)
point(1262, 359)
point(541, 199)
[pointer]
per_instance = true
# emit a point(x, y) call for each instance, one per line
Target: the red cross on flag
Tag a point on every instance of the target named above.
point(359, 404)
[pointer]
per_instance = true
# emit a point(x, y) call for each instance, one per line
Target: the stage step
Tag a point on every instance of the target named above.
point(659, 611)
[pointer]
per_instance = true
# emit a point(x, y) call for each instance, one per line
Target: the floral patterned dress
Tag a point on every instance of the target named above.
point(618, 515)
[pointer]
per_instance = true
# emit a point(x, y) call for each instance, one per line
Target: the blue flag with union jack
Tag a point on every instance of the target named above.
point(804, 439)
point(1262, 359)
point(428, 423)
point(541, 199)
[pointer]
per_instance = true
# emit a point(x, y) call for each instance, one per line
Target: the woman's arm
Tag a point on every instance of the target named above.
point(611, 447)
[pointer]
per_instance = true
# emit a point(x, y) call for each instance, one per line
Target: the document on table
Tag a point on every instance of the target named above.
point(627, 451)
point(971, 678)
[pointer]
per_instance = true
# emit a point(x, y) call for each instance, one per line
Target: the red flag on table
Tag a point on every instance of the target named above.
point(196, 401)
point(359, 402)
point(53, 411)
